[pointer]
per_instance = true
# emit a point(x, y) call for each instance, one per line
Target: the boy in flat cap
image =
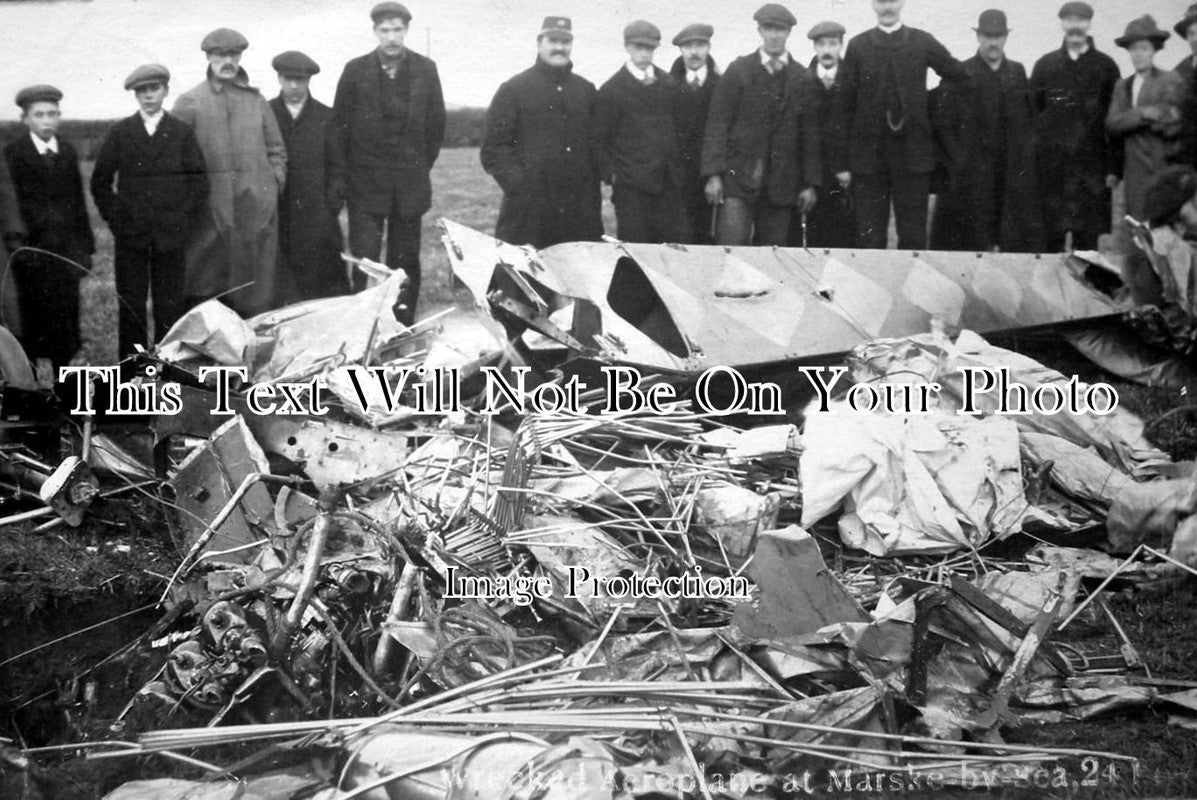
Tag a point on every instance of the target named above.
point(761, 151)
point(885, 119)
point(150, 185)
point(309, 233)
point(237, 244)
point(49, 189)
point(388, 123)
point(992, 200)
point(636, 125)
point(1146, 113)
point(832, 222)
point(695, 71)
point(1077, 162)
point(538, 146)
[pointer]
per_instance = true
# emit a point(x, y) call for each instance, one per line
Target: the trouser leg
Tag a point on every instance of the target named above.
point(772, 225)
point(365, 239)
point(736, 217)
point(910, 193)
point(166, 282)
point(872, 195)
point(403, 252)
point(132, 272)
point(634, 215)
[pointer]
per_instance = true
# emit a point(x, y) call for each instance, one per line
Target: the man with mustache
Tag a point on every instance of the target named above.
point(832, 223)
point(637, 147)
point(695, 71)
point(234, 254)
point(537, 146)
point(1076, 161)
point(386, 133)
point(985, 126)
point(760, 154)
point(884, 115)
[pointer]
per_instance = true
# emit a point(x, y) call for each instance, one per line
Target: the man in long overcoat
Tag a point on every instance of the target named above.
point(309, 233)
point(1187, 69)
point(986, 127)
point(761, 151)
point(1076, 160)
point(695, 71)
point(149, 183)
point(247, 169)
point(387, 129)
point(538, 147)
point(885, 119)
point(12, 237)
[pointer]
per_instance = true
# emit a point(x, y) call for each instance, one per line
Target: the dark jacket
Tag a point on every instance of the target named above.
point(51, 199)
point(370, 165)
point(538, 146)
point(692, 122)
point(986, 125)
point(760, 143)
point(636, 132)
point(151, 190)
point(1187, 70)
point(309, 234)
point(1073, 151)
point(832, 222)
point(885, 86)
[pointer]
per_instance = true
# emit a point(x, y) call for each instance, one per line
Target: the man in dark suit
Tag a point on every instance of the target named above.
point(832, 222)
point(1077, 162)
point(538, 146)
point(150, 185)
point(637, 145)
point(986, 127)
point(694, 70)
point(1187, 69)
point(885, 120)
point(386, 133)
point(761, 151)
point(49, 187)
point(309, 234)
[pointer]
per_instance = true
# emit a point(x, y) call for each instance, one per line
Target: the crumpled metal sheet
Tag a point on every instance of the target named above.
point(1073, 699)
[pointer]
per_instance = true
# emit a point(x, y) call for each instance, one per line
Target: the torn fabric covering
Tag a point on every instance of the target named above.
point(211, 331)
point(912, 484)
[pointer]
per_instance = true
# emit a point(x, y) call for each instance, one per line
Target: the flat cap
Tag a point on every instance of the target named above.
point(1182, 27)
point(224, 39)
point(643, 33)
point(826, 29)
point(293, 62)
point(41, 93)
point(147, 73)
point(558, 28)
point(390, 10)
point(1142, 28)
point(696, 32)
point(1076, 9)
point(1167, 191)
point(775, 14)
point(992, 23)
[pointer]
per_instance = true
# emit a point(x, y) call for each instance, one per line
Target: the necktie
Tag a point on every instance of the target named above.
point(648, 78)
point(49, 157)
point(774, 65)
point(695, 83)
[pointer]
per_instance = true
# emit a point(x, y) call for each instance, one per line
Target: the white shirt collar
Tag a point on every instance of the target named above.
point(701, 74)
point(639, 74)
point(150, 121)
point(1076, 54)
point(43, 146)
point(823, 72)
point(897, 26)
point(295, 109)
point(784, 58)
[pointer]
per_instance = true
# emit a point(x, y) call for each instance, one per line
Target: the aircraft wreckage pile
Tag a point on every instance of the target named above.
point(392, 604)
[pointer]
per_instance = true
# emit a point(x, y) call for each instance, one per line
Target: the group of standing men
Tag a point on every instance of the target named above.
point(228, 195)
point(774, 153)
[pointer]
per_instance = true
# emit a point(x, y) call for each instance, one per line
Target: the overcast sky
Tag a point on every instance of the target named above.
point(87, 48)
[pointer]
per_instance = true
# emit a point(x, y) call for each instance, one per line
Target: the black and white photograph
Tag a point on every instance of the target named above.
point(484, 400)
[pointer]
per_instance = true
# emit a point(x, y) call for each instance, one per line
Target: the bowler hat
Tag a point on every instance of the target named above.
point(992, 23)
point(696, 32)
point(224, 40)
point(557, 28)
point(146, 74)
point(294, 62)
point(776, 15)
point(826, 29)
point(1167, 191)
point(389, 10)
point(1143, 28)
point(642, 33)
point(1076, 9)
point(41, 93)
point(1182, 27)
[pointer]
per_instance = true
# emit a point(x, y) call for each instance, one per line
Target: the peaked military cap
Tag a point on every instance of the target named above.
point(293, 62)
point(147, 73)
point(696, 32)
point(641, 32)
point(826, 29)
point(224, 39)
point(775, 14)
point(384, 11)
point(558, 28)
point(41, 93)
point(1076, 9)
